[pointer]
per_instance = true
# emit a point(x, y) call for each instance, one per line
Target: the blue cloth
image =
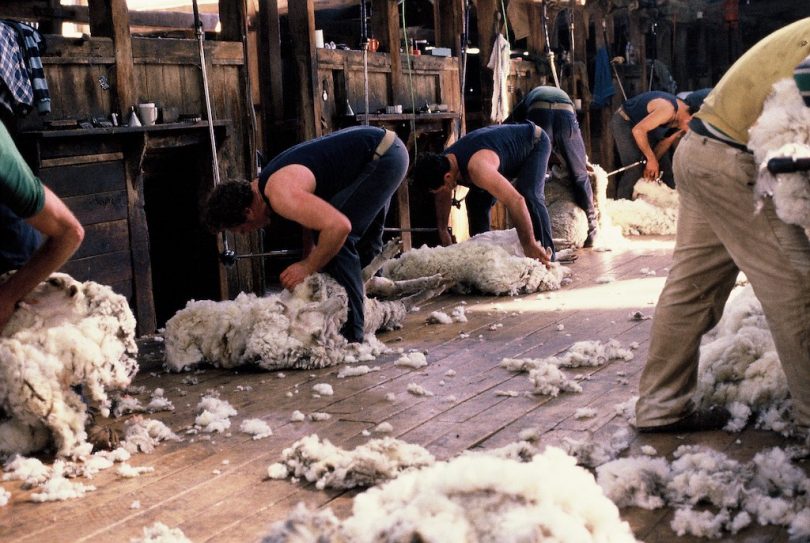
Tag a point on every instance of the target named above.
point(32, 46)
point(18, 240)
point(603, 88)
point(16, 93)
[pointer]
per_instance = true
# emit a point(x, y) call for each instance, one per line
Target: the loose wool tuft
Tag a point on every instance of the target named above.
point(281, 331)
point(490, 263)
point(326, 465)
point(473, 499)
point(783, 130)
point(75, 335)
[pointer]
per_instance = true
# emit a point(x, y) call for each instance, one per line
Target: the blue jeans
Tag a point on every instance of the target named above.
point(563, 130)
point(365, 203)
point(531, 184)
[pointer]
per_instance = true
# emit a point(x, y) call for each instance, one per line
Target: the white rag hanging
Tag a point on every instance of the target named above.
point(500, 65)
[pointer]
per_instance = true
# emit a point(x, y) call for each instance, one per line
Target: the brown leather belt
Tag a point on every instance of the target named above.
point(623, 114)
point(551, 105)
point(385, 144)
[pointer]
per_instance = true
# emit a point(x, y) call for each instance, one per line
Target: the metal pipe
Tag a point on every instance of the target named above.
point(625, 168)
point(229, 258)
point(198, 30)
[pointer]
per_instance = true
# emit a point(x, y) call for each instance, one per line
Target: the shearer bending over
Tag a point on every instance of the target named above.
point(339, 186)
point(552, 110)
point(719, 234)
point(484, 160)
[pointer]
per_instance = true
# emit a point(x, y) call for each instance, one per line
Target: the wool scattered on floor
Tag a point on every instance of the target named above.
point(472, 498)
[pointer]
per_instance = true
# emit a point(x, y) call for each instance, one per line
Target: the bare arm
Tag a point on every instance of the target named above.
point(660, 113)
point(290, 193)
point(64, 235)
point(483, 168)
point(665, 144)
point(443, 199)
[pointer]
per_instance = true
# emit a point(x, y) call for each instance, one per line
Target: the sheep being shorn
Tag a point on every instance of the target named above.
point(782, 131)
point(473, 498)
point(299, 329)
point(490, 263)
point(70, 336)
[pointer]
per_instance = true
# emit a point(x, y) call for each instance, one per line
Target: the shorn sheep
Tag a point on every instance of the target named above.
point(61, 352)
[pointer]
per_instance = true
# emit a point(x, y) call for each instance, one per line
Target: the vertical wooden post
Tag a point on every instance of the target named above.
point(110, 18)
point(301, 16)
point(487, 13)
point(385, 27)
point(270, 69)
point(448, 18)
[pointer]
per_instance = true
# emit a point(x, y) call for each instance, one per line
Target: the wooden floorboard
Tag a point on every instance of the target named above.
point(214, 488)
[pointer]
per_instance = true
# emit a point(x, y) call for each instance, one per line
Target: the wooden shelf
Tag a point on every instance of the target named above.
point(122, 130)
point(394, 117)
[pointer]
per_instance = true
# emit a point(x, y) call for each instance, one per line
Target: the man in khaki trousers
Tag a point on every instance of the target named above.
point(719, 234)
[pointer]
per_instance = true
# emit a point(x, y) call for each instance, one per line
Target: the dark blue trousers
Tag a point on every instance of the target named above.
point(563, 130)
point(629, 153)
point(365, 203)
point(18, 240)
point(531, 184)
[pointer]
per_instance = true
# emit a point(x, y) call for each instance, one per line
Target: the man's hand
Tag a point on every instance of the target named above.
point(295, 274)
point(651, 169)
point(445, 238)
point(538, 253)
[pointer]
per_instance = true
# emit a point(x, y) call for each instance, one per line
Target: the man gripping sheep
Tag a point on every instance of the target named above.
point(485, 160)
point(27, 199)
point(339, 186)
point(553, 110)
point(720, 233)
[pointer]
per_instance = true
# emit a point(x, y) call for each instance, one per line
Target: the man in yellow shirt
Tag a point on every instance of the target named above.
point(720, 234)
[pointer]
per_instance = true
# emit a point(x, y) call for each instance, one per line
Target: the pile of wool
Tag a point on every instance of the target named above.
point(473, 498)
point(326, 465)
point(770, 489)
point(299, 329)
point(71, 336)
point(739, 367)
point(160, 533)
point(782, 131)
point(654, 211)
point(490, 263)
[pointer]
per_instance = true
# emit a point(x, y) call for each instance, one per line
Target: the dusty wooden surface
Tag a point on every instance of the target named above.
point(216, 490)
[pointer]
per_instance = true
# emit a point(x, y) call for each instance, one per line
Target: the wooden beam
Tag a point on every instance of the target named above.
point(109, 18)
point(385, 23)
point(302, 24)
point(486, 12)
point(270, 68)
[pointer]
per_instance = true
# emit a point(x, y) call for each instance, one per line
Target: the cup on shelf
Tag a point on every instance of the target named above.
point(148, 113)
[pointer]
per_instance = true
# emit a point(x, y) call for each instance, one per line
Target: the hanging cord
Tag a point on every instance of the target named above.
point(505, 24)
point(410, 81)
point(465, 42)
point(549, 52)
point(364, 45)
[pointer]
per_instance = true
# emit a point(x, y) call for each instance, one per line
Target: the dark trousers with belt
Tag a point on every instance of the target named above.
point(530, 183)
point(629, 153)
point(365, 203)
point(563, 130)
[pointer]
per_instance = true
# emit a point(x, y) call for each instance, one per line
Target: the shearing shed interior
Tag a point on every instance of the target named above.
point(166, 380)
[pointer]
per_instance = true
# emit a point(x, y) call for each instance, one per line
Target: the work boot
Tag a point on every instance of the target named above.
point(593, 232)
point(701, 420)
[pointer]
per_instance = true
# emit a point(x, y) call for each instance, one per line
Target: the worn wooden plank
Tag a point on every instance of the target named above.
point(98, 207)
point(104, 237)
point(105, 268)
point(84, 179)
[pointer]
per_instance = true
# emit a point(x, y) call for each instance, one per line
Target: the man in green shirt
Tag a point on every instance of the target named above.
point(29, 199)
point(719, 234)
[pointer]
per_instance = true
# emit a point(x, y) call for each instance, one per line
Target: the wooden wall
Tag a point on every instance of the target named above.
point(100, 171)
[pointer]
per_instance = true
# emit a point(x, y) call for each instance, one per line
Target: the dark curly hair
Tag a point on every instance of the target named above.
point(227, 205)
point(428, 171)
